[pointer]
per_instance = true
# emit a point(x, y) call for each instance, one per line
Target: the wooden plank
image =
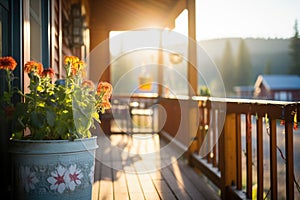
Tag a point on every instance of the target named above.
point(146, 183)
point(106, 185)
point(97, 178)
point(134, 187)
point(177, 188)
point(190, 188)
point(119, 181)
point(163, 190)
point(197, 181)
point(160, 184)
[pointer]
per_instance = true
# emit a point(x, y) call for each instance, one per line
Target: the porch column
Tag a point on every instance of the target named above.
point(193, 118)
point(192, 48)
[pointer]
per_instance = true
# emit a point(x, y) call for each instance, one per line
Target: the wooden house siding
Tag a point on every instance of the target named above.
point(56, 38)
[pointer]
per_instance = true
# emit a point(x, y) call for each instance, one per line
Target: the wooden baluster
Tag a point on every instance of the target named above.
point(289, 154)
point(208, 119)
point(248, 157)
point(214, 138)
point(210, 133)
point(260, 158)
point(273, 159)
point(238, 152)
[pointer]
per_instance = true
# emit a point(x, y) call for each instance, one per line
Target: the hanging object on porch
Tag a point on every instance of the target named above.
point(145, 81)
point(295, 121)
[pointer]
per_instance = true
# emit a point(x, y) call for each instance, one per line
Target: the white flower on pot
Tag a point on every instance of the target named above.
point(74, 176)
point(28, 178)
point(59, 179)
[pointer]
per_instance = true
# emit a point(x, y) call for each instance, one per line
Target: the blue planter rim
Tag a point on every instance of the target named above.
point(52, 146)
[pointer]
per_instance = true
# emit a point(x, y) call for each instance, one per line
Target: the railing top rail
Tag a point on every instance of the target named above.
point(136, 95)
point(245, 101)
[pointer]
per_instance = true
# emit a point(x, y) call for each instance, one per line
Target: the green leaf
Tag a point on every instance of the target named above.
point(50, 115)
point(17, 135)
point(37, 120)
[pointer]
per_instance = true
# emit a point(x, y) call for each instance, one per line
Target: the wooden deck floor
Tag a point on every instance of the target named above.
point(145, 167)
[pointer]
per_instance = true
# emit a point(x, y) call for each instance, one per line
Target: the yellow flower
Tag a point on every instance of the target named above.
point(71, 60)
point(78, 66)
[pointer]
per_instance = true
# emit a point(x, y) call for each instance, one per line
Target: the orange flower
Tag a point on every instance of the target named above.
point(88, 83)
point(8, 63)
point(32, 66)
point(48, 72)
point(105, 105)
point(104, 87)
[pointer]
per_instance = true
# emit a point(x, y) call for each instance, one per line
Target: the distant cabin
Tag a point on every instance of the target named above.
point(277, 87)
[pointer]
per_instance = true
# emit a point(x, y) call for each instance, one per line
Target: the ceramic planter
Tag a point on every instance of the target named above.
point(53, 169)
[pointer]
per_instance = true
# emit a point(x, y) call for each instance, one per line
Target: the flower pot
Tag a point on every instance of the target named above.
point(53, 169)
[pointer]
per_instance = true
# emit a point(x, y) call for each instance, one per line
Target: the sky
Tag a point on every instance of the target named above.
point(243, 18)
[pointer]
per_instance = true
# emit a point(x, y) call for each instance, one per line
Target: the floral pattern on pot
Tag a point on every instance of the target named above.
point(28, 178)
point(57, 178)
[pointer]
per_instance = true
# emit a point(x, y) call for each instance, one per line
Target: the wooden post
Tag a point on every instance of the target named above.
point(228, 166)
point(289, 154)
point(160, 69)
point(193, 117)
point(192, 48)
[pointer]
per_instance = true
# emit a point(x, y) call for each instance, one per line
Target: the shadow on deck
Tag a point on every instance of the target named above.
point(144, 166)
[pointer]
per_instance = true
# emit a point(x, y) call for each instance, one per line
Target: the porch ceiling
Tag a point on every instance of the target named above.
point(133, 14)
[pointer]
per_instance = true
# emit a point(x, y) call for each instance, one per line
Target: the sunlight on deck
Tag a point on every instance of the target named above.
point(140, 166)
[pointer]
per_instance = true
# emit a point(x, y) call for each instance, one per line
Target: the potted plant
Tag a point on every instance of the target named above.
point(52, 149)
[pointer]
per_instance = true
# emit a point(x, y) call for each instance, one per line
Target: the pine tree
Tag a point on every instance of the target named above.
point(244, 66)
point(295, 51)
point(267, 69)
point(227, 67)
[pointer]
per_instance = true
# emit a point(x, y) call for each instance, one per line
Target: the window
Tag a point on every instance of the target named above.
point(35, 30)
point(283, 96)
point(3, 42)
point(3, 29)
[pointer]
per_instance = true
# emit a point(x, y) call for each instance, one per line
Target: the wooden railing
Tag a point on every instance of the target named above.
point(246, 148)
point(231, 162)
